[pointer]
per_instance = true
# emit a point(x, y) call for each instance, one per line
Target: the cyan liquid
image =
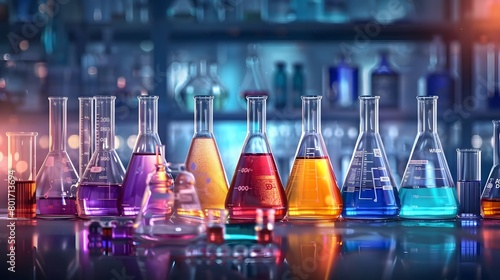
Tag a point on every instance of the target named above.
point(428, 203)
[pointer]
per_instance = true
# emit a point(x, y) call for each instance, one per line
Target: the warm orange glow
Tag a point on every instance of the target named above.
point(121, 82)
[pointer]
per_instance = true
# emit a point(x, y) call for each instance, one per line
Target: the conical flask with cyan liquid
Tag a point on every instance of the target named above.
point(312, 191)
point(427, 189)
point(490, 198)
point(369, 190)
point(203, 159)
point(143, 159)
point(57, 178)
point(256, 182)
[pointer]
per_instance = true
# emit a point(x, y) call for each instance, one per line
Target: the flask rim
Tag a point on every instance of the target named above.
point(369, 97)
point(425, 98)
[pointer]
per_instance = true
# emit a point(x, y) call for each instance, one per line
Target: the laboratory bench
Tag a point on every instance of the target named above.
point(404, 249)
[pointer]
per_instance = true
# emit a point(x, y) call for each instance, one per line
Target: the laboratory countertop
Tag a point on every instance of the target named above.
point(458, 249)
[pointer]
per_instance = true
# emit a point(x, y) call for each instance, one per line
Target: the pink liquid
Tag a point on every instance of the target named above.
point(97, 200)
point(134, 183)
point(256, 184)
point(57, 206)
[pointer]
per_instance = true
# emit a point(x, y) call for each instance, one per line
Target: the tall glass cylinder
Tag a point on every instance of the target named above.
point(256, 182)
point(203, 159)
point(86, 114)
point(100, 184)
point(21, 170)
point(469, 182)
point(427, 189)
point(143, 160)
point(312, 190)
point(57, 177)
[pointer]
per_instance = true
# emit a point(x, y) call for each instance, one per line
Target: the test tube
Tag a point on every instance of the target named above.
point(85, 133)
point(469, 182)
point(215, 225)
point(21, 199)
point(264, 227)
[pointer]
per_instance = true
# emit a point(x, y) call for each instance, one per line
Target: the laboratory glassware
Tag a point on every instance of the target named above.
point(21, 175)
point(341, 83)
point(312, 190)
point(181, 10)
point(264, 225)
point(282, 11)
point(469, 182)
point(427, 189)
point(86, 130)
point(187, 205)
point(100, 184)
point(369, 190)
point(385, 82)
point(490, 198)
point(219, 90)
point(439, 81)
point(203, 158)
point(256, 182)
point(253, 83)
point(298, 85)
point(334, 11)
point(215, 222)
point(57, 178)
point(143, 159)
point(280, 86)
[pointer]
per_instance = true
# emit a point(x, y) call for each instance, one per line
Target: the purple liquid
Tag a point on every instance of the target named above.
point(57, 206)
point(97, 200)
point(134, 183)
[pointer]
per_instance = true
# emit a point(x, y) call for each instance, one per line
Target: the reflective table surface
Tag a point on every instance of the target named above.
point(59, 249)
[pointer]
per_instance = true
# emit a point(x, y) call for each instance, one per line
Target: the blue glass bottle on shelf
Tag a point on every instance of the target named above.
point(341, 84)
point(298, 85)
point(280, 86)
point(439, 82)
point(385, 82)
point(369, 190)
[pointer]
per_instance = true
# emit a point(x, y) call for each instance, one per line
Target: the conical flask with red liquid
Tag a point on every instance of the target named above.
point(203, 159)
point(143, 160)
point(312, 190)
point(256, 182)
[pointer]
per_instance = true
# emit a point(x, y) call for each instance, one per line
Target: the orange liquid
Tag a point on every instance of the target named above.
point(490, 208)
point(204, 162)
point(312, 190)
point(320, 250)
point(25, 199)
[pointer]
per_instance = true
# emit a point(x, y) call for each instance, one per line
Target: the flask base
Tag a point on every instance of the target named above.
point(370, 213)
point(56, 207)
point(313, 214)
point(247, 213)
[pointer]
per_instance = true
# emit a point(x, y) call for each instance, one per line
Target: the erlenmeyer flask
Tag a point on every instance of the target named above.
point(369, 191)
point(203, 159)
point(253, 83)
point(427, 189)
point(490, 198)
point(256, 182)
point(100, 185)
point(57, 178)
point(312, 190)
point(143, 159)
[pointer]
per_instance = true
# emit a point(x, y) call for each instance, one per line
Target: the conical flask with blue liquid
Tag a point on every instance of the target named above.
point(369, 191)
point(427, 189)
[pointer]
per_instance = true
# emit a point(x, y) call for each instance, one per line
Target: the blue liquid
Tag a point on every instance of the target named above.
point(469, 196)
point(428, 203)
point(386, 206)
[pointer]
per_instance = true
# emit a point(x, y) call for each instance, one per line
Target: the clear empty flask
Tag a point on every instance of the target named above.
point(203, 159)
point(312, 191)
point(57, 178)
point(143, 159)
point(256, 182)
point(100, 184)
point(490, 199)
point(369, 190)
point(427, 189)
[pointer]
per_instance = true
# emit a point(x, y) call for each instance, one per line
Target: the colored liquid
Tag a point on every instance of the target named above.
point(215, 235)
point(25, 200)
point(134, 183)
point(356, 208)
point(264, 236)
point(97, 200)
point(256, 184)
point(490, 208)
point(204, 162)
point(469, 196)
point(428, 203)
point(57, 206)
point(312, 190)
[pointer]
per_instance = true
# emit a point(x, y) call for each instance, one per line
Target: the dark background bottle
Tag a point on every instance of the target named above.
point(298, 85)
point(385, 82)
point(280, 86)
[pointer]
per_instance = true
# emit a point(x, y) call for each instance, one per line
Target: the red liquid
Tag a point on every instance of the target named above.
point(25, 200)
point(264, 236)
point(215, 235)
point(256, 184)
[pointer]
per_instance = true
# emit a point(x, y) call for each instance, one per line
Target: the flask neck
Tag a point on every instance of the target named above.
point(104, 122)
point(427, 114)
point(148, 114)
point(203, 115)
point(311, 114)
point(58, 123)
point(256, 114)
point(496, 142)
point(368, 114)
